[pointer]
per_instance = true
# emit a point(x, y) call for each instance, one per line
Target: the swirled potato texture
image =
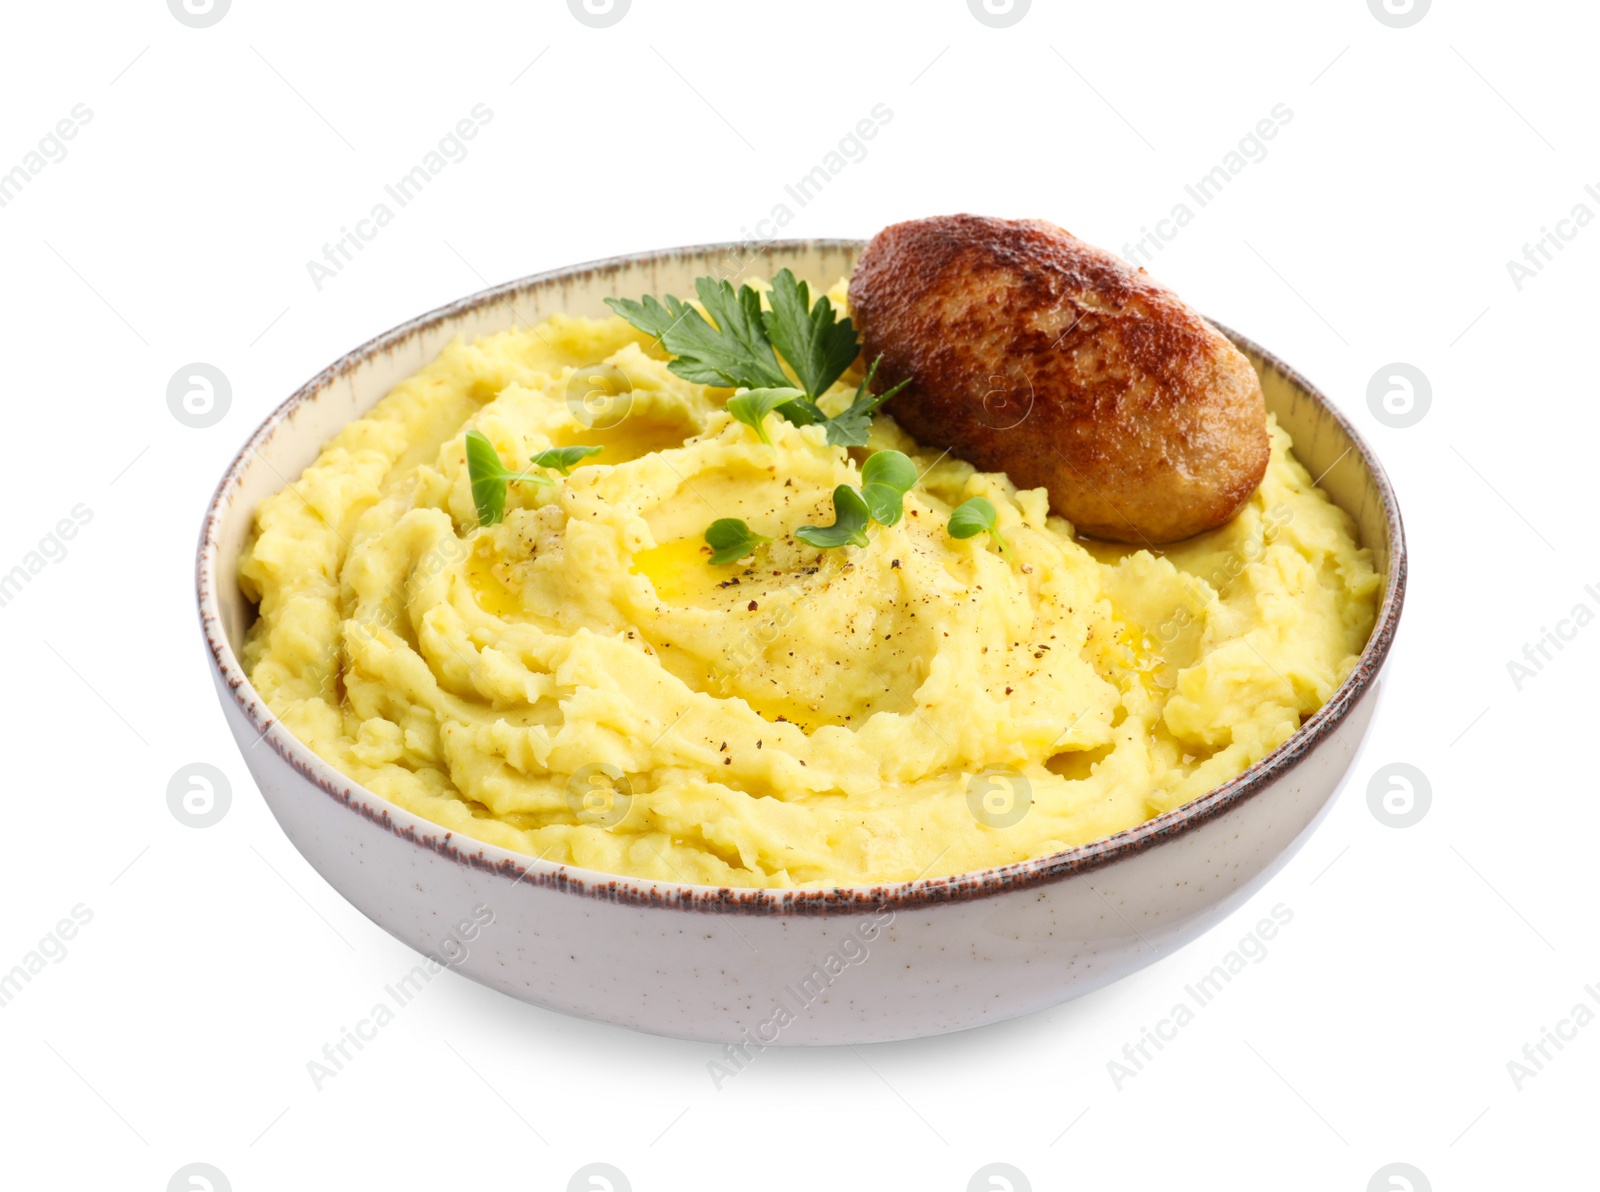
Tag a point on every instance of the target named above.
point(579, 683)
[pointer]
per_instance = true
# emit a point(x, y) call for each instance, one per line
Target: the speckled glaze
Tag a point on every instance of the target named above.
point(845, 965)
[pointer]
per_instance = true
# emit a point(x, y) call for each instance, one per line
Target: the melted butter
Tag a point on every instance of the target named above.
point(632, 438)
point(679, 571)
point(1132, 651)
point(491, 593)
point(681, 575)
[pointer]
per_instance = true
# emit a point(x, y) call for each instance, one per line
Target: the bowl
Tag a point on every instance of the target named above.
point(855, 964)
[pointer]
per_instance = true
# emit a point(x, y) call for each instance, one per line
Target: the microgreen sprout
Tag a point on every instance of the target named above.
point(731, 540)
point(490, 478)
point(974, 516)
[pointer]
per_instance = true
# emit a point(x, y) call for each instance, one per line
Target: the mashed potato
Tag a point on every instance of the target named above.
point(579, 683)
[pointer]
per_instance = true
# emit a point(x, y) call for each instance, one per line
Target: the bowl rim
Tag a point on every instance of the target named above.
point(916, 893)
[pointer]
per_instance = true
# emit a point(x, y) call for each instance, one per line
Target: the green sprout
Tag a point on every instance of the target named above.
point(974, 516)
point(850, 518)
point(490, 478)
point(731, 540)
point(753, 405)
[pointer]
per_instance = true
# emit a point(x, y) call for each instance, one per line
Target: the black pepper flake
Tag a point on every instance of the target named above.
point(894, 565)
point(727, 761)
point(1008, 691)
point(724, 748)
point(751, 606)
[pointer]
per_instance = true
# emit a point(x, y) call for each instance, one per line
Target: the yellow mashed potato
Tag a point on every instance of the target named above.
point(580, 684)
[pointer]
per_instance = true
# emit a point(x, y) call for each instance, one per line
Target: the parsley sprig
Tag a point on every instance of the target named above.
point(732, 351)
point(490, 478)
point(818, 345)
point(739, 348)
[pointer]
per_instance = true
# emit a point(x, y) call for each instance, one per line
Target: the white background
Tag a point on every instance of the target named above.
point(1377, 229)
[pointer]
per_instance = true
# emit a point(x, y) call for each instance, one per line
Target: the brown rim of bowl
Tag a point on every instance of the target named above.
point(921, 892)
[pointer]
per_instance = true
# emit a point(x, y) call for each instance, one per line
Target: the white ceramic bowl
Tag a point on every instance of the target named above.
point(846, 965)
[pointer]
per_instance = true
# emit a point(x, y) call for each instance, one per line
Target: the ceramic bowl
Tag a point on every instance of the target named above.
point(842, 965)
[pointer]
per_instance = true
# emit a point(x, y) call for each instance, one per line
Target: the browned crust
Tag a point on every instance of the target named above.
point(1034, 353)
point(916, 895)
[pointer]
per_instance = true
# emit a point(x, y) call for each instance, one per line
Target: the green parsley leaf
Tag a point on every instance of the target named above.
point(738, 317)
point(886, 478)
point(814, 342)
point(752, 407)
point(732, 352)
point(974, 516)
point(740, 348)
point(802, 411)
point(489, 478)
point(850, 517)
point(649, 315)
point(731, 540)
point(848, 428)
point(563, 459)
